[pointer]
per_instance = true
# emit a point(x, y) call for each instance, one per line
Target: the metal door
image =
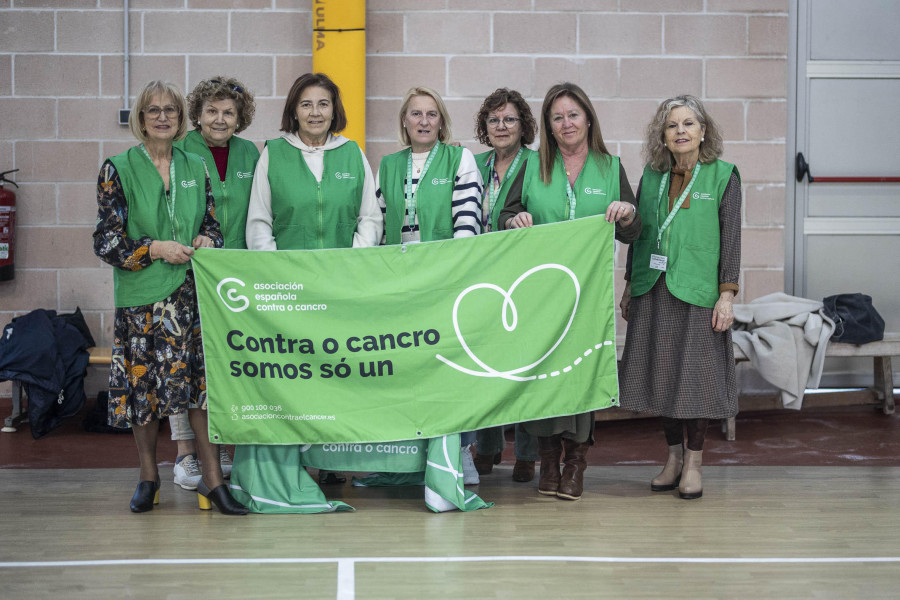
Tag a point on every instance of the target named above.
point(844, 225)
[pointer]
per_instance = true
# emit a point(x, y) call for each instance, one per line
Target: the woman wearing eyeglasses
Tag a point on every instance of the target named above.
point(573, 158)
point(218, 108)
point(154, 207)
point(505, 124)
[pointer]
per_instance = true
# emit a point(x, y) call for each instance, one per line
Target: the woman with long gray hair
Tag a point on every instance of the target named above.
point(682, 276)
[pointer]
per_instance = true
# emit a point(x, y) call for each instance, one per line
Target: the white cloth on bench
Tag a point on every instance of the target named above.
point(785, 338)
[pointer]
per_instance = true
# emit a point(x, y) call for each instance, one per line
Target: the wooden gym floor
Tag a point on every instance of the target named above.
point(764, 528)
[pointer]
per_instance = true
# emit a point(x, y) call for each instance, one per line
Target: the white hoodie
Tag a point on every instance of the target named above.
point(369, 223)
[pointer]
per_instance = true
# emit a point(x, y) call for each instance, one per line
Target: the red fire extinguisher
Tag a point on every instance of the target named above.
point(7, 228)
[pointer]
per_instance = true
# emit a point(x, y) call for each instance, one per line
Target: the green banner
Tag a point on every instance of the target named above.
point(408, 342)
point(395, 457)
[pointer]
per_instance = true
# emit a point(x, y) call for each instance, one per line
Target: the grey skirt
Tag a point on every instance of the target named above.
point(675, 364)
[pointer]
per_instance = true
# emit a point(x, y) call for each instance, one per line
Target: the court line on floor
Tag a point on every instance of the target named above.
point(346, 566)
point(346, 561)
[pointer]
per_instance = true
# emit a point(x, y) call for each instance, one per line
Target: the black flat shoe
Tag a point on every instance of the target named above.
point(221, 497)
point(145, 496)
point(331, 478)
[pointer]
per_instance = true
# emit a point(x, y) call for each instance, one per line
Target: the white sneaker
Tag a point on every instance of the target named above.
point(225, 462)
point(187, 472)
point(470, 473)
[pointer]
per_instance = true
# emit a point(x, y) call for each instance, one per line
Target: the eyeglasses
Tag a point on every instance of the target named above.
point(154, 111)
point(235, 88)
point(494, 122)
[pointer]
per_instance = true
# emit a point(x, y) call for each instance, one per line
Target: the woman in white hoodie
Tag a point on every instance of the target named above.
point(312, 189)
point(288, 192)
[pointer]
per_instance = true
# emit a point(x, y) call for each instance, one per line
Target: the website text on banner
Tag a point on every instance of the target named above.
point(408, 342)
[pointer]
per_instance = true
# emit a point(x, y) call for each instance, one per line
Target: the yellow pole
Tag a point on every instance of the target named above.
point(339, 51)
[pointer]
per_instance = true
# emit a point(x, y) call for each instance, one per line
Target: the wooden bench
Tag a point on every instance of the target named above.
point(880, 394)
point(882, 386)
point(881, 353)
point(97, 356)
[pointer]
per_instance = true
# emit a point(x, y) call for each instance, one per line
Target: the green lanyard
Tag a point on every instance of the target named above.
point(494, 193)
point(410, 195)
point(170, 198)
point(571, 196)
point(569, 193)
point(662, 188)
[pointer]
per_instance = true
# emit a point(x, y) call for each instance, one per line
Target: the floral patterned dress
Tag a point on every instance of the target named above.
point(157, 356)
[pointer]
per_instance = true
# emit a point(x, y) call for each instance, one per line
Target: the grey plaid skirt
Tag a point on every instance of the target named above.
point(675, 365)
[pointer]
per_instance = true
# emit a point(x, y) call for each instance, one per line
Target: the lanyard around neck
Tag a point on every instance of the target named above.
point(494, 192)
point(411, 197)
point(170, 197)
point(677, 206)
point(570, 193)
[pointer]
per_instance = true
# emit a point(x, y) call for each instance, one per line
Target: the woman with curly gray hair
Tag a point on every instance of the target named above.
point(218, 108)
point(682, 276)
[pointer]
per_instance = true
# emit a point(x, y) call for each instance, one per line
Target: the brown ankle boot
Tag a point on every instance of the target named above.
point(669, 477)
point(523, 471)
point(571, 483)
point(484, 463)
point(550, 449)
point(691, 485)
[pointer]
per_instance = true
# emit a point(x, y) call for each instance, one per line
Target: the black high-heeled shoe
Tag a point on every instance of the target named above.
point(145, 496)
point(221, 497)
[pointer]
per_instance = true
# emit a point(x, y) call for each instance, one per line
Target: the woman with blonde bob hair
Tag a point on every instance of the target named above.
point(573, 158)
point(446, 203)
point(430, 191)
point(681, 278)
point(445, 133)
point(154, 208)
point(137, 117)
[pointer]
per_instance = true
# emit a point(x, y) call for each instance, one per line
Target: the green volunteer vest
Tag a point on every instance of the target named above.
point(482, 161)
point(433, 200)
point(148, 216)
point(309, 214)
point(597, 185)
point(691, 242)
point(232, 195)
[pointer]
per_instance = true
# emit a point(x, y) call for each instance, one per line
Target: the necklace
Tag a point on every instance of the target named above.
point(569, 171)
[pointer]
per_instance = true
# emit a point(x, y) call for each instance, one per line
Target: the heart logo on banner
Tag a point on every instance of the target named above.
point(510, 319)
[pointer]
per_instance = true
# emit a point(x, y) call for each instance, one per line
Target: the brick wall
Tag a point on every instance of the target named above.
point(61, 72)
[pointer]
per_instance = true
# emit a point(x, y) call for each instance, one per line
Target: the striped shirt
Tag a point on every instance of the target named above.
point(465, 205)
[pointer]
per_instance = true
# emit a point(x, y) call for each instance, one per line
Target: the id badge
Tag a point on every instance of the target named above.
point(658, 262)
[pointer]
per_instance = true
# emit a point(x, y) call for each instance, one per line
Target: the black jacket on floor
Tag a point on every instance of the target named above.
point(48, 354)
